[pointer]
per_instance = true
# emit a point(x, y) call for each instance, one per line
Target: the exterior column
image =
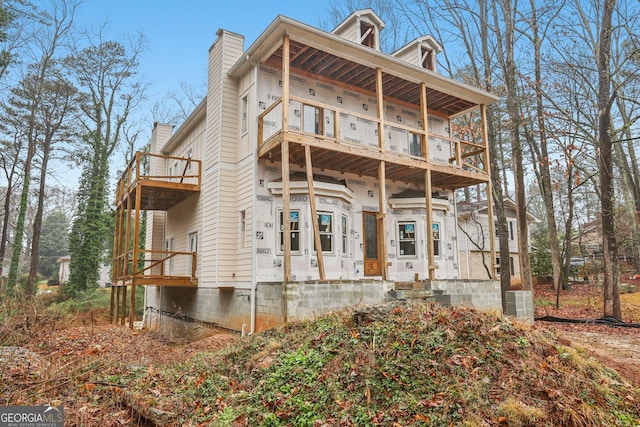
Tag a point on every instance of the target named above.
point(489, 189)
point(286, 214)
point(429, 206)
point(382, 179)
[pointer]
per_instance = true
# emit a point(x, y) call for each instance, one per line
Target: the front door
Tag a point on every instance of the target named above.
point(372, 264)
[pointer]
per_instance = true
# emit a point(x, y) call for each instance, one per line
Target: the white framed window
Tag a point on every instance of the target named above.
point(437, 236)
point(406, 238)
point(193, 247)
point(325, 226)
point(169, 246)
point(511, 233)
point(243, 229)
point(244, 111)
point(294, 224)
point(345, 234)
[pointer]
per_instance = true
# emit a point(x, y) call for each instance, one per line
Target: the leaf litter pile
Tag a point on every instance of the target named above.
point(394, 365)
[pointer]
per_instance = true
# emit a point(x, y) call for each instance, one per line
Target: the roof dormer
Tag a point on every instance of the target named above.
point(362, 27)
point(421, 52)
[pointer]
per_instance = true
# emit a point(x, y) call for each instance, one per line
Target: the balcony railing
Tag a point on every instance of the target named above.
point(180, 170)
point(157, 267)
point(316, 119)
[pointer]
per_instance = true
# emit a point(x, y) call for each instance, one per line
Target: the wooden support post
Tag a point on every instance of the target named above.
point(124, 305)
point(112, 301)
point(314, 212)
point(429, 206)
point(489, 190)
point(136, 249)
point(132, 306)
point(382, 210)
point(425, 120)
point(380, 96)
point(127, 235)
point(116, 319)
point(286, 214)
point(286, 211)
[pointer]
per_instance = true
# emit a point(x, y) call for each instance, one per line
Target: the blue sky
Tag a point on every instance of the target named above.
point(180, 32)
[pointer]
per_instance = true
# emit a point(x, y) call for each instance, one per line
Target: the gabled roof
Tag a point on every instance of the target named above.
point(428, 40)
point(368, 13)
point(481, 208)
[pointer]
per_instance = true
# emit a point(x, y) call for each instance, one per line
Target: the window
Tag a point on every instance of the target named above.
point(407, 238)
point(312, 119)
point(345, 234)
point(244, 112)
point(193, 247)
point(415, 146)
point(511, 267)
point(294, 223)
point(495, 228)
point(436, 239)
point(511, 236)
point(169, 247)
point(367, 34)
point(427, 59)
point(243, 230)
point(325, 225)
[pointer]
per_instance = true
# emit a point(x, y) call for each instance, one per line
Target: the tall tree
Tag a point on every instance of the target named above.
point(605, 164)
point(105, 72)
point(537, 140)
point(54, 117)
point(24, 107)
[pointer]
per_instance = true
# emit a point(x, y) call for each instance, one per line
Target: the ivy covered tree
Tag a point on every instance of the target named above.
point(105, 72)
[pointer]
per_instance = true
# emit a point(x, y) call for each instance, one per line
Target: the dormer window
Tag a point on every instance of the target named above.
point(367, 34)
point(427, 58)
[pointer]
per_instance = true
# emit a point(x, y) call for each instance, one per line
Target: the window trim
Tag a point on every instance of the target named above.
point(244, 114)
point(401, 239)
point(331, 233)
point(344, 234)
point(280, 232)
point(437, 241)
point(189, 244)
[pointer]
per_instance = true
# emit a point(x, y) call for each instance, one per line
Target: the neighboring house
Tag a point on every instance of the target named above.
point(306, 140)
point(475, 254)
point(104, 274)
point(63, 269)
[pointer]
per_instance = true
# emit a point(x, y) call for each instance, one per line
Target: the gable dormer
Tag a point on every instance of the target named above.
point(362, 27)
point(421, 52)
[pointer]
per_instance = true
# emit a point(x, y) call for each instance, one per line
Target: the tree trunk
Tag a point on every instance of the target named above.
point(37, 222)
point(605, 165)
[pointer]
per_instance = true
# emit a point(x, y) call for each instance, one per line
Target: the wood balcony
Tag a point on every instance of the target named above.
point(142, 188)
point(325, 128)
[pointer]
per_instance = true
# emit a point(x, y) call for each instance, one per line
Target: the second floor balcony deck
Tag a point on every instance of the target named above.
point(158, 190)
point(347, 141)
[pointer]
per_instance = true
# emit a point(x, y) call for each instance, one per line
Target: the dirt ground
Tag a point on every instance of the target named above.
point(55, 358)
point(618, 348)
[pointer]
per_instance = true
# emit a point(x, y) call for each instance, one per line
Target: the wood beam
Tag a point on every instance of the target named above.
point(489, 189)
point(124, 304)
point(314, 212)
point(116, 319)
point(382, 211)
point(284, 151)
point(429, 206)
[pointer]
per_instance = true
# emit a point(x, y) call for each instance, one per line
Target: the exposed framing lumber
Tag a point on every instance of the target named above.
point(286, 214)
point(429, 206)
point(382, 210)
point(314, 212)
point(489, 189)
point(124, 305)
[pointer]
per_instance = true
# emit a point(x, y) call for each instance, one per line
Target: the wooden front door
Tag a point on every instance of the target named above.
point(372, 263)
